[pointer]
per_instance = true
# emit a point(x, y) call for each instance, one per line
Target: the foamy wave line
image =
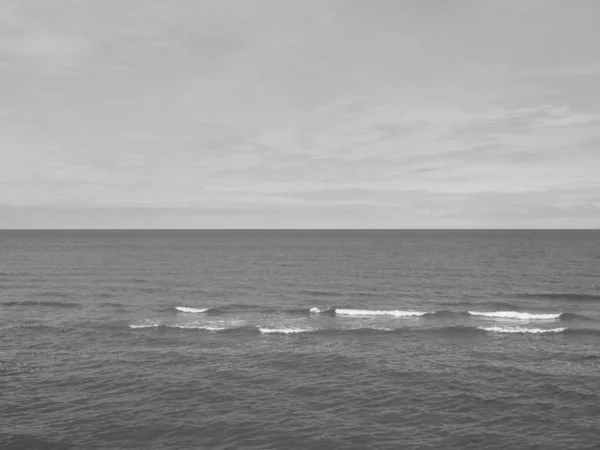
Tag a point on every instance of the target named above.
point(144, 325)
point(190, 310)
point(522, 330)
point(369, 312)
point(515, 315)
point(199, 327)
point(283, 330)
point(296, 330)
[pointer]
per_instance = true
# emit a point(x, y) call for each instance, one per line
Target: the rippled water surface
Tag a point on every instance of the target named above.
point(299, 339)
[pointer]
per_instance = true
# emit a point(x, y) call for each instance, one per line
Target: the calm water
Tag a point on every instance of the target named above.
point(299, 339)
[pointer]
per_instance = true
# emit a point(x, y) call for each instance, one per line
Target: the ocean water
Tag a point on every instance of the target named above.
point(299, 339)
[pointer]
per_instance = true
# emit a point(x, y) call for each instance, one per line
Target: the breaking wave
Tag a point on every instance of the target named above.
point(186, 309)
point(444, 313)
point(522, 330)
point(515, 315)
point(459, 331)
point(350, 312)
point(199, 327)
point(144, 325)
point(322, 311)
point(185, 326)
point(369, 312)
point(283, 330)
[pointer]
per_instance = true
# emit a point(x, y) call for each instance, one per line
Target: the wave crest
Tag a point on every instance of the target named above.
point(144, 325)
point(515, 315)
point(456, 330)
point(522, 330)
point(191, 326)
point(187, 309)
point(283, 330)
point(369, 312)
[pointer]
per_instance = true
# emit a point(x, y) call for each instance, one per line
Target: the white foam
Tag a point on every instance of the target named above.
point(515, 315)
point(282, 330)
point(190, 310)
point(197, 327)
point(368, 312)
point(522, 330)
point(316, 310)
point(144, 325)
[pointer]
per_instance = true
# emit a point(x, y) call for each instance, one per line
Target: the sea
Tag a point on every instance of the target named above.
point(300, 339)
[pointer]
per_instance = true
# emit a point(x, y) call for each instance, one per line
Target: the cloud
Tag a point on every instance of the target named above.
point(578, 70)
point(54, 49)
point(46, 50)
point(317, 113)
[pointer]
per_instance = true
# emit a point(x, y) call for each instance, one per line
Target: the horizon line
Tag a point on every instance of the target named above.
point(299, 229)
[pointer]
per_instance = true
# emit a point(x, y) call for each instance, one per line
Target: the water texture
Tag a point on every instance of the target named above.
point(299, 339)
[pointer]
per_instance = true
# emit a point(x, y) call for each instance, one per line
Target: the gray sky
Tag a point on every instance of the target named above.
point(299, 114)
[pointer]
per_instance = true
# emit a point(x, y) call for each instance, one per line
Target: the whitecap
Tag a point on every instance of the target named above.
point(368, 312)
point(190, 310)
point(515, 315)
point(144, 325)
point(191, 326)
point(522, 330)
point(282, 330)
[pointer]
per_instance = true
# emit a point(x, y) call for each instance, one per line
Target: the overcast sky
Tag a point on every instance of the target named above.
point(299, 114)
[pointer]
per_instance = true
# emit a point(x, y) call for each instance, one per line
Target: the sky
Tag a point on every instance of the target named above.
point(299, 114)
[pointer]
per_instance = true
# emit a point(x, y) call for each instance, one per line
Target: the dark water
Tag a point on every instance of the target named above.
point(95, 353)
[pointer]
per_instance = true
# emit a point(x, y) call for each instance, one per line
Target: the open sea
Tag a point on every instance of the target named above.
point(300, 339)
